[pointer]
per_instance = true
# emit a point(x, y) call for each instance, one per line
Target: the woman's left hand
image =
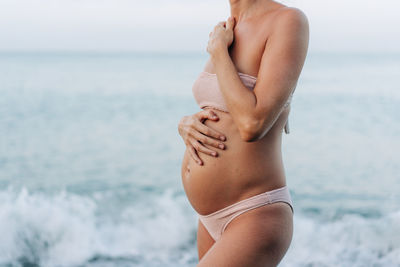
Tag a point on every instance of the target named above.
point(221, 36)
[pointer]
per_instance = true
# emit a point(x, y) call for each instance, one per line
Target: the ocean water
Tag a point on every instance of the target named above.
point(90, 160)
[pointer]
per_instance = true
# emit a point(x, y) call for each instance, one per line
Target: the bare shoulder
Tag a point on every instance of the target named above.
point(290, 19)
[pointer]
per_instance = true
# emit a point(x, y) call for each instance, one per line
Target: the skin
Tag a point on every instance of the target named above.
point(267, 40)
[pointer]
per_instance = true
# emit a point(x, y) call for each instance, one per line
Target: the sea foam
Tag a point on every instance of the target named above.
point(66, 229)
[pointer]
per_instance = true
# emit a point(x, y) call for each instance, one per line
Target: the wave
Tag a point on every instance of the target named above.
point(67, 229)
point(353, 240)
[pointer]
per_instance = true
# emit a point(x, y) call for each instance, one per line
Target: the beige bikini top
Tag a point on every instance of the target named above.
point(207, 93)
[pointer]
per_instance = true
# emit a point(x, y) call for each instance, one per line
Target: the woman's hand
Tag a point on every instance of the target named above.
point(195, 134)
point(222, 36)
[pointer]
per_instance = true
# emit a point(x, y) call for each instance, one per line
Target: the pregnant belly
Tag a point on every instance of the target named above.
point(242, 169)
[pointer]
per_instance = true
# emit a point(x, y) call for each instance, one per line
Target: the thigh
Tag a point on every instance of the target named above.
point(259, 237)
point(204, 240)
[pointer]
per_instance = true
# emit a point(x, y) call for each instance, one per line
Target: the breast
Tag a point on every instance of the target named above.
point(207, 93)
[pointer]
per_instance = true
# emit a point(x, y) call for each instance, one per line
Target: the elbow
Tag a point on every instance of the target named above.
point(249, 132)
point(249, 137)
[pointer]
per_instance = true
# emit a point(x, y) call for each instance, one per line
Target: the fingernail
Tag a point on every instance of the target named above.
point(222, 138)
point(221, 146)
point(214, 154)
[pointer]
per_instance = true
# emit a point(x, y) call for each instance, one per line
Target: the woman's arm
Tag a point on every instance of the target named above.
point(255, 111)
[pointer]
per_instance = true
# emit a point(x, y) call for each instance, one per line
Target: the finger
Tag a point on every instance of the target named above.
point(195, 146)
point(208, 132)
point(211, 114)
point(220, 24)
point(207, 140)
point(207, 114)
point(207, 151)
point(201, 148)
point(194, 155)
point(230, 24)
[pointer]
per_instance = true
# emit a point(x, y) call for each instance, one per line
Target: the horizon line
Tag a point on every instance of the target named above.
point(175, 52)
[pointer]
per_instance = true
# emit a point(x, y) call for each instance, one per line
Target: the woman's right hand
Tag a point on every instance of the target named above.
point(195, 134)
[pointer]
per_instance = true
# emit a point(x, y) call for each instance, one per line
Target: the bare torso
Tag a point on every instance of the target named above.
point(243, 169)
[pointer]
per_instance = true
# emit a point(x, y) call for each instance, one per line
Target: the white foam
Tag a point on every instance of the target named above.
point(64, 230)
point(351, 241)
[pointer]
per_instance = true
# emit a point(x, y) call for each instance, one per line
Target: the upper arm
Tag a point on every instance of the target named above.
point(280, 67)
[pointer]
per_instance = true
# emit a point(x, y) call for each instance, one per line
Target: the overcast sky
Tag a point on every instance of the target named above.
point(130, 25)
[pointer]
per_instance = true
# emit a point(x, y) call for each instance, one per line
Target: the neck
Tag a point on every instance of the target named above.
point(241, 9)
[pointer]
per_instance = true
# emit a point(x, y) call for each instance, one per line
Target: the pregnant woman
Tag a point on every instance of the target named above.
point(232, 169)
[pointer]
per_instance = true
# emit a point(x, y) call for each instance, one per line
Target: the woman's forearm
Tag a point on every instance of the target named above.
point(240, 100)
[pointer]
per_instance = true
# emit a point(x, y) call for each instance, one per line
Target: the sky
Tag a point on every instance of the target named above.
point(172, 25)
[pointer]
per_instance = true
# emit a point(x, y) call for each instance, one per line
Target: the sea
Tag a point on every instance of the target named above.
point(90, 159)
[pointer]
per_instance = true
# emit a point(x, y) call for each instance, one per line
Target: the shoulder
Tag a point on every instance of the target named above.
point(289, 19)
